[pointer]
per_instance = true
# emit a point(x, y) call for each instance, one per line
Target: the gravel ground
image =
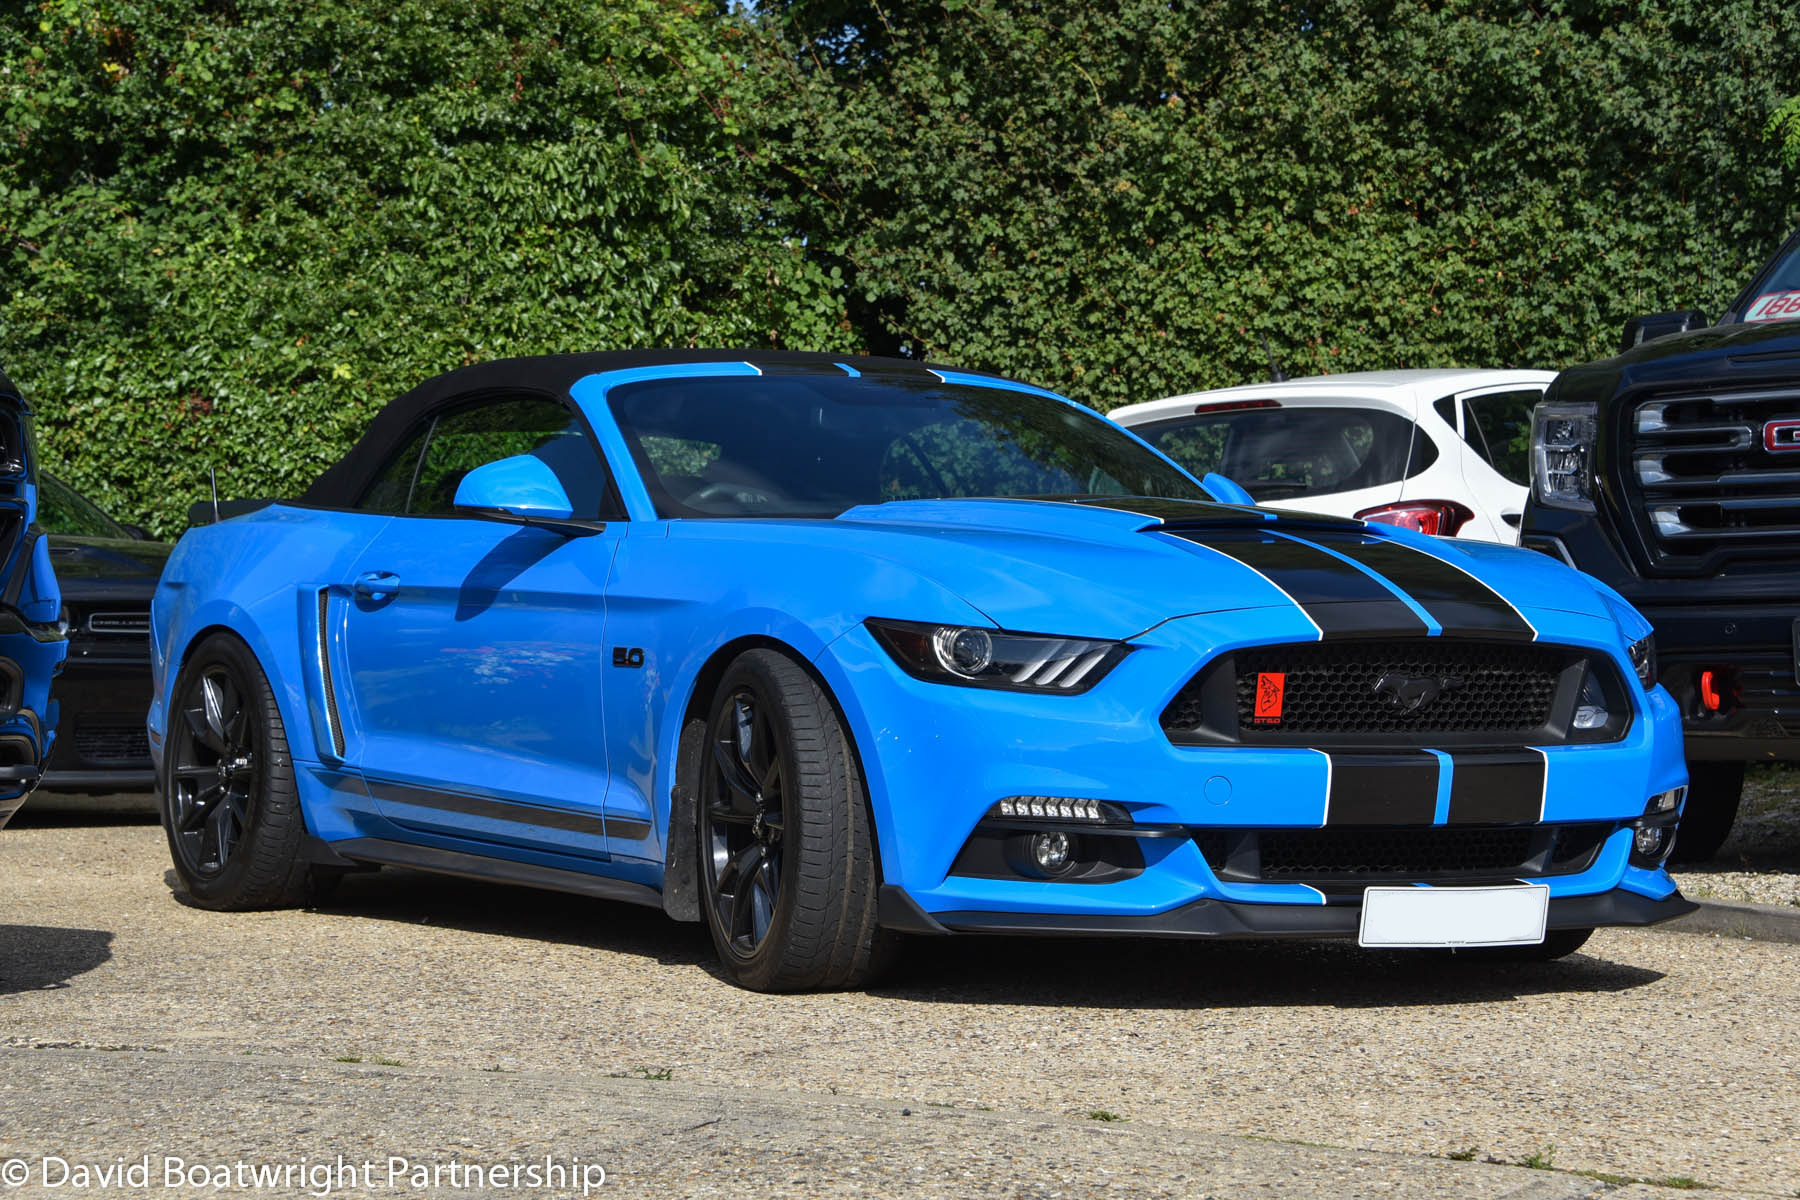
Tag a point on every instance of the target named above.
point(1760, 862)
point(1653, 1055)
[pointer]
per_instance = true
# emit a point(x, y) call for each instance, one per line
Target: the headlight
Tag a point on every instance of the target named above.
point(1643, 658)
point(1562, 455)
point(994, 658)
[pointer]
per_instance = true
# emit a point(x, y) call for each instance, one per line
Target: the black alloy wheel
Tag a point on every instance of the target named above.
point(215, 772)
point(785, 846)
point(743, 817)
point(230, 806)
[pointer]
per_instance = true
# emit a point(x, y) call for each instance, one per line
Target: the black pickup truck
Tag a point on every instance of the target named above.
point(1672, 472)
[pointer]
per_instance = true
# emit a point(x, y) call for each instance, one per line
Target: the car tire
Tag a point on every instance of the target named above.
point(786, 852)
point(230, 808)
point(1714, 791)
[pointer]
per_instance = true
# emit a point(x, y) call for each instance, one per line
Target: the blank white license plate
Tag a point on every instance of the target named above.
point(1509, 915)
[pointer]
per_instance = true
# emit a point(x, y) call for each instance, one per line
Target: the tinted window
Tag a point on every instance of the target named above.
point(817, 445)
point(1281, 453)
point(1498, 427)
point(62, 509)
point(389, 492)
point(467, 438)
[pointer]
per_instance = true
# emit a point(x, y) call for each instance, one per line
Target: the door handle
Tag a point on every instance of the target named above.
point(1512, 518)
point(377, 585)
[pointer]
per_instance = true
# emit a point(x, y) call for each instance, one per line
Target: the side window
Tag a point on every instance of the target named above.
point(467, 438)
point(389, 491)
point(1498, 427)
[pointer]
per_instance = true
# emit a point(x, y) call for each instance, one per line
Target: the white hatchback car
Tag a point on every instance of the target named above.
point(1444, 452)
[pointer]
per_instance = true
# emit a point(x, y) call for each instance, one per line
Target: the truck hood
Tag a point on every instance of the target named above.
point(1119, 567)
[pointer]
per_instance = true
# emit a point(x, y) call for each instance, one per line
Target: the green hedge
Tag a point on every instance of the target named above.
point(230, 231)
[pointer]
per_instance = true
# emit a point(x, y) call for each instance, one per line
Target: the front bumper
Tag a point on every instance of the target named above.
point(937, 758)
point(1225, 919)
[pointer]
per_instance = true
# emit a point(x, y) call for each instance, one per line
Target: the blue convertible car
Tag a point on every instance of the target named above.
point(824, 651)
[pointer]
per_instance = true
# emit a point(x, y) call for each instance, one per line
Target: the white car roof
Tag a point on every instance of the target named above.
point(1403, 390)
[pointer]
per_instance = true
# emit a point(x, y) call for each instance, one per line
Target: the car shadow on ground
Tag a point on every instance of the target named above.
point(36, 958)
point(1051, 972)
point(1160, 973)
point(423, 898)
point(58, 810)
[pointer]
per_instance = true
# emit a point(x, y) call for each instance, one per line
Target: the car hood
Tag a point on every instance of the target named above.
point(1119, 567)
point(113, 559)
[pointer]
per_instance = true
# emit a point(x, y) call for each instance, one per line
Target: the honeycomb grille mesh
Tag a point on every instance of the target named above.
point(1331, 688)
point(1384, 852)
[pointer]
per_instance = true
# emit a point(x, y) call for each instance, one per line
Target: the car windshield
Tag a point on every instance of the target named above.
point(1777, 297)
point(62, 509)
point(1281, 453)
point(786, 445)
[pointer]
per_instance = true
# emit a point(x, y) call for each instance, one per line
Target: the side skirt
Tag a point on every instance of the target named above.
point(381, 852)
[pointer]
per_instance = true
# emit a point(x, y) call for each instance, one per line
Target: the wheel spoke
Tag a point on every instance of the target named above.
point(212, 698)
point(200, 807)
point(762, 897)
point(224, 831)
point(196, 772)
point(738, 780)
point(203, 733)
point(747, 866)
point(770, 787)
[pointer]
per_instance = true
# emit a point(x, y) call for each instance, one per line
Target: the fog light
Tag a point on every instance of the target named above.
point(1648, 840)
point(1052, 852)
point(1589, 716)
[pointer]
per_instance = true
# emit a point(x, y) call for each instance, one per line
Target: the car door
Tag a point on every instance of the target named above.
point(469, 649)
point(1496, 425)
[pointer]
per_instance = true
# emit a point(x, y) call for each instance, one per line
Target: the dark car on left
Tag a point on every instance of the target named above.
point(108, 572)
point(33, 638)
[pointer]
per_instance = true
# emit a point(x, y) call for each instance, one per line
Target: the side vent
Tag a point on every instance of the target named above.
point(331, 706)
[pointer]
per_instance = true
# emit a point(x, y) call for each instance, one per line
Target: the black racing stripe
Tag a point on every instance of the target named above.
point(1173, 512)
point(1459, 602)
point(492, 810)
point(1383, 789)
point(1499, 787)
point(1341, 600)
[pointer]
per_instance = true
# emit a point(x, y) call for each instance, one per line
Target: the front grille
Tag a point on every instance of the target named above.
point(1441, 852)
point(111, 744)
point(1708, 477)
point(1383, 693)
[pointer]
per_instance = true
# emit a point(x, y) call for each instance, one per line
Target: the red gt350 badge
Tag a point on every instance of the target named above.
point(1270, 687)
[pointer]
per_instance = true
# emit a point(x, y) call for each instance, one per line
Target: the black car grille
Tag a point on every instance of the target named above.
point(1706, 478)
point(1443, 852)
point(119, 624)
point(112, 744)
point(1389, 692)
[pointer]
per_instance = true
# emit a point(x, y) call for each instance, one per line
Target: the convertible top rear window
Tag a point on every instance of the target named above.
point(785, 445)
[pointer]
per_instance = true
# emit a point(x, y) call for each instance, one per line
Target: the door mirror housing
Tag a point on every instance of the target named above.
point(1647, 328)
point(521, 489)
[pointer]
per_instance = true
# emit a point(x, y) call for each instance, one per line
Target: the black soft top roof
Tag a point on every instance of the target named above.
point(555, 374)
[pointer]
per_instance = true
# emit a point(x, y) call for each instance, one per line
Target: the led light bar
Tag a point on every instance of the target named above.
point(1048, 808)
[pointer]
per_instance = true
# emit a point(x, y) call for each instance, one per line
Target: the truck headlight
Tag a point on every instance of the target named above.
point(1643, 660)
point(1562, 455)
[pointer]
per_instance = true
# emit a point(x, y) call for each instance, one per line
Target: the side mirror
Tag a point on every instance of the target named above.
point(1643, 329)
point(1224, 490)
point(137, 532)
point(521, 487)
